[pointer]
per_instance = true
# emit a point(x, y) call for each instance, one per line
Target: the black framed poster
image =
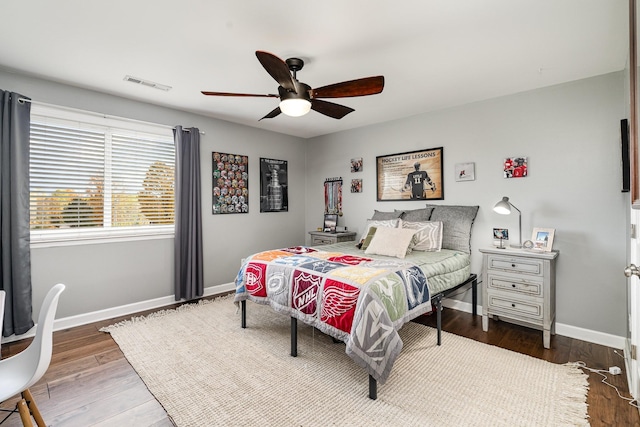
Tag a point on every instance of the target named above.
point(274, 194)
point(414, 175)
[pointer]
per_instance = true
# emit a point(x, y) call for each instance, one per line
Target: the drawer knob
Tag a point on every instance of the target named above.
point(513, 305)
point(513, 265)
point(513, 285)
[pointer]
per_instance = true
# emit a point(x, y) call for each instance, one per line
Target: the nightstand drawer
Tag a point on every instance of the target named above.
point(516, 285)
point(515, 264)
point(499, 303)
point(321, 241)
point(319, 238)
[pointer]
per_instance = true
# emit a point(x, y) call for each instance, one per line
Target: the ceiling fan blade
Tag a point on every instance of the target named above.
point(270, 95)
point(277, 68)
point(330, 109)
point(359, 87)
point(272, 114)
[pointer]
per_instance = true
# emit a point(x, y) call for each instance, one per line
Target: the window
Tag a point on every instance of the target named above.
point(95, 177)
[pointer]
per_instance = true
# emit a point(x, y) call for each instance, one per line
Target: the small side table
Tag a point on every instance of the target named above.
point(323, 238)
point(520, 285)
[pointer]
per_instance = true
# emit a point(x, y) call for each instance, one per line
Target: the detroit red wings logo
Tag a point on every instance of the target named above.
point(338, 304)
point(349, 259)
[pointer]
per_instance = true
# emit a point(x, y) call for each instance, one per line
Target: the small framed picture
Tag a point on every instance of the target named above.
point(465, 171)
point(515, 167)
point(356, 186)
point(356, 164)
point(542, 239)
point(499, 236)
point(330, 222)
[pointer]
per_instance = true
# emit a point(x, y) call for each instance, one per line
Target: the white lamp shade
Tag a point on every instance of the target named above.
point(295, 107)
point(503, 207)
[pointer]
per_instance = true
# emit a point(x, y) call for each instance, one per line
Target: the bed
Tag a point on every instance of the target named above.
point(362, 295)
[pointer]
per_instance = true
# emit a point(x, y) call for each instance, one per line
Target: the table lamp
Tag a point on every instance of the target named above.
point(503, 207)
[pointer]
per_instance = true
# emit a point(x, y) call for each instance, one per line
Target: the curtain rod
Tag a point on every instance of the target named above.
point(106, 116)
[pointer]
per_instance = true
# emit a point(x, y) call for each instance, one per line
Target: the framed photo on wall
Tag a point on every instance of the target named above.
point(356, 164)
point(356, 185)
point(230, 183)
point(515, 167)
point(414, 175)
point(274, 187)
point(465, 171)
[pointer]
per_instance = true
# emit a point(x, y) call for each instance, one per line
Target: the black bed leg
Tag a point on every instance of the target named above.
point(294, 337)
point(243, 307)
point(474, 296)
point(439, 319)
point(373, 388)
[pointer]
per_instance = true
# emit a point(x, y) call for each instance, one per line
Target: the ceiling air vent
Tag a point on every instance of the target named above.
point(147, 83)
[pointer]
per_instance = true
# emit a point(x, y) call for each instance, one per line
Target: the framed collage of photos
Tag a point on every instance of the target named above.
point(230, 183)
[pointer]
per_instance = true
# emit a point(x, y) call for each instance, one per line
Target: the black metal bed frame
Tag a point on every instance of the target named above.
point(436, 299)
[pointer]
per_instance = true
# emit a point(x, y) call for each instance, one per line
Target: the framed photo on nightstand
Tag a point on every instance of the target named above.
point(542, 239)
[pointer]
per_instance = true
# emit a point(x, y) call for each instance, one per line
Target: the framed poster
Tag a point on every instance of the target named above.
point(230, 183)
point(414, 175)
point(274, 195)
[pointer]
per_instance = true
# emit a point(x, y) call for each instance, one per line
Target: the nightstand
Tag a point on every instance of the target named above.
point(520, 286)
point(323, 238)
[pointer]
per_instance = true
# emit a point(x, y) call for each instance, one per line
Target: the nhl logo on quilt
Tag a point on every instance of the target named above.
point(305, 292)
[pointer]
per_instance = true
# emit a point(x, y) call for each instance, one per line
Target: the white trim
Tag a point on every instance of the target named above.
point(627, 364)
point(595, 337)
point(124, 310)
point(613, 341)
point(88, 240)
point(582, 334)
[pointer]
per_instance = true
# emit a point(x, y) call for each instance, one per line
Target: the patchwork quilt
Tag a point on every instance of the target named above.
point(358, 300)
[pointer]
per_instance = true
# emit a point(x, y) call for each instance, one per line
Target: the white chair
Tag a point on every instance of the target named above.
point(21, 371)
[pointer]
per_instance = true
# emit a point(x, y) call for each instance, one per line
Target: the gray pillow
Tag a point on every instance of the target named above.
point(377, 215)
point(457, 222)
point(418, 215)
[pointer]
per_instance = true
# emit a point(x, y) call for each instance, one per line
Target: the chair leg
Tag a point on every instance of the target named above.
point(25, 416)
point(31, 403)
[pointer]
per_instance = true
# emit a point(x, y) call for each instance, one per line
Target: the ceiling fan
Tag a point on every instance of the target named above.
point(297, 98)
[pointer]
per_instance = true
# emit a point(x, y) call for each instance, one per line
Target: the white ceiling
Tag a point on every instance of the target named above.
point(434, 54)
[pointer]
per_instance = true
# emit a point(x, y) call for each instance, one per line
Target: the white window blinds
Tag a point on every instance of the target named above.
point(96, 177)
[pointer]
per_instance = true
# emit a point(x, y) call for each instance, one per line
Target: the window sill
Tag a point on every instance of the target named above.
point(48, 241)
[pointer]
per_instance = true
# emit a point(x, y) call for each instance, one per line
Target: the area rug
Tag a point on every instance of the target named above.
point(208, 371)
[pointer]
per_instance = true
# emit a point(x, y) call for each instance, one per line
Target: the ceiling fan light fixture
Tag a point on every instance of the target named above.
point(295, 107)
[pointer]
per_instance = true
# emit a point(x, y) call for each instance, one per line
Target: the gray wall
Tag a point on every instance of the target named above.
point(570, 134)
point(101, 276)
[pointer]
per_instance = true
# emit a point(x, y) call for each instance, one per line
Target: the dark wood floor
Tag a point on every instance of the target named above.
point(90, 383)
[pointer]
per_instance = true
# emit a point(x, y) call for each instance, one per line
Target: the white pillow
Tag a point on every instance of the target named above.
point(396, 242)
point(428, 235)
point(392, 223)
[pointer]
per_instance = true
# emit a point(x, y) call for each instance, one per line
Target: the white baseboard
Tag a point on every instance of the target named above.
point(124, 310)
point(97, 316)
point(575, 332)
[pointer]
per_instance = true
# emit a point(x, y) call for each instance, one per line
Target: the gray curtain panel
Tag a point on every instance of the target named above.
point(189, 282)
point(15, 253)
